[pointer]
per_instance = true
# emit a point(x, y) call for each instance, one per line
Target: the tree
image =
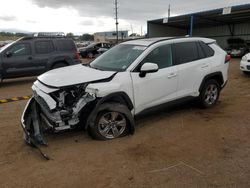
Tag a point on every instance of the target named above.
point(87, 37)
point(70, 35)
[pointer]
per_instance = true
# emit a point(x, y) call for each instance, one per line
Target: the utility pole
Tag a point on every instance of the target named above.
point(116, 21)
point(168, 11)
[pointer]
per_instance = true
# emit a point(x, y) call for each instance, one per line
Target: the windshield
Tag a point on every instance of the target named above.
point(118, 58)
point(7, 45)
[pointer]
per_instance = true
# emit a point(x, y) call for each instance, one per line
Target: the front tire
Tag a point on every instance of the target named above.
point(111, 122)
point(209, 94)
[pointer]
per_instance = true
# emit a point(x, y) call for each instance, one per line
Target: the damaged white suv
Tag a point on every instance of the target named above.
point(104, 96)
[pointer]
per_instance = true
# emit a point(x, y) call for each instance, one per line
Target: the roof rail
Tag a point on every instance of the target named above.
point(49, 34)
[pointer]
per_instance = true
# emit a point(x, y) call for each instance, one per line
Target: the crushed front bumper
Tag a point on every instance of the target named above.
point(31, 125)
point(37, 118)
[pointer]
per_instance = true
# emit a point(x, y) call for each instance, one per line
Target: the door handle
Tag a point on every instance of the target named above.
point(172, 75)
point(29, 58)
point(204, 66)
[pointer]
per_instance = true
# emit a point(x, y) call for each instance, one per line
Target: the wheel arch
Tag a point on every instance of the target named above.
point(216, 76)
point(120, 97)
point(59, 61)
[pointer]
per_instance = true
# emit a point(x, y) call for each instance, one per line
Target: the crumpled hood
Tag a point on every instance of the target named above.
point(72, 75)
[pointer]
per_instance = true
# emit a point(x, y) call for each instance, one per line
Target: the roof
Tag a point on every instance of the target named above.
point(151, 41)
point(239, 14)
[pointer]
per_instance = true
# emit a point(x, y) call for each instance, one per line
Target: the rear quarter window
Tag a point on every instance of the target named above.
point(208, 51)
point(66, 45)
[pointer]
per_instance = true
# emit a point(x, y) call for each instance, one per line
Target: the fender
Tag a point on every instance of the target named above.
point(216, 75)
point(120, 96)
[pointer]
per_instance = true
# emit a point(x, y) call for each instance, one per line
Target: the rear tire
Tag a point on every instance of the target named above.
point(209, 94)
point(59, 65)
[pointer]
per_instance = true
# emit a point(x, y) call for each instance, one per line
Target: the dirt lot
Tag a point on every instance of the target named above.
point(179, 147)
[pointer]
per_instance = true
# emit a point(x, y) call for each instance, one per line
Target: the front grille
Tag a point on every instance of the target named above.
point(248, 67)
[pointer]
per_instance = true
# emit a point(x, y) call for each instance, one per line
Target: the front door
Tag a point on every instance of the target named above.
point(18, 60)
point(159, 87)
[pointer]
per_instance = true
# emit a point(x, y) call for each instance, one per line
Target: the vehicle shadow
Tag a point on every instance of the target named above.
point(148, 117)
point(169, 109)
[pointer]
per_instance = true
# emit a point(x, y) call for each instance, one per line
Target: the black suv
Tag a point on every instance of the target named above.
point(33, 55)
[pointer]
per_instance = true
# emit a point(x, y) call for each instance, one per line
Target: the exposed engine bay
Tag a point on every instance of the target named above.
point(53, 109)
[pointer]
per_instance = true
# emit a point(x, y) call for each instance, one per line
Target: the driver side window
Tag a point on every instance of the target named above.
point(162, 56)
point(20, 50)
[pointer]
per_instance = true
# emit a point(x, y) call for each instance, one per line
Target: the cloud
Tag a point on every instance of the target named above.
point(87, 23)
point(81, 16)
point(8, 18)
point(141, 10)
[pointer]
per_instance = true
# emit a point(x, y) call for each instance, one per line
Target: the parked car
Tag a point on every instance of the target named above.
point(30, 56)
point(104, 96)
point(245, 64)
point(237, 47)
point(94, 49)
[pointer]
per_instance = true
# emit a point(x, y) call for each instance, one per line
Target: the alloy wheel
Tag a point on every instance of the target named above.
point(112, 125)
point(211, 94)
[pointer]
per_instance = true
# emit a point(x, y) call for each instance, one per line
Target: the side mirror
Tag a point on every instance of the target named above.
point(148, 68)
point(8, 54)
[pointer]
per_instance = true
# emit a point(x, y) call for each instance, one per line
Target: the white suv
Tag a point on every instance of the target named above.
point(104, 96)
point(245, 64)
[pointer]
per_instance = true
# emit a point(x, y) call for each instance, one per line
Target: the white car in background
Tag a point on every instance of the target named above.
point(245, 64)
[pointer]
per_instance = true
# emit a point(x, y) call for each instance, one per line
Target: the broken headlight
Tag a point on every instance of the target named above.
point(68, 96)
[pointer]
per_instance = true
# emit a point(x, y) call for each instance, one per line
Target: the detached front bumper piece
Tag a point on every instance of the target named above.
point(30, 122)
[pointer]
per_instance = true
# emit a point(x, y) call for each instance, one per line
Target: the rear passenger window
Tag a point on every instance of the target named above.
point(209, 52)
point(186, 52)
point(66, 45)
point(44, 47)
point(162, 56)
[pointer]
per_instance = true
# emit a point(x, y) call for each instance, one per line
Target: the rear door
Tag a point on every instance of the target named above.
point(192, 66)
point(44, 50)
point(18, 60)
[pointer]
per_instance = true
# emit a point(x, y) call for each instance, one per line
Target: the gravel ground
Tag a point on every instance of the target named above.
point(182, 146)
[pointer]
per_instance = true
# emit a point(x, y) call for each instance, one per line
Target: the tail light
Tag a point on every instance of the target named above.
point(227, 58)
point(77, 55)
